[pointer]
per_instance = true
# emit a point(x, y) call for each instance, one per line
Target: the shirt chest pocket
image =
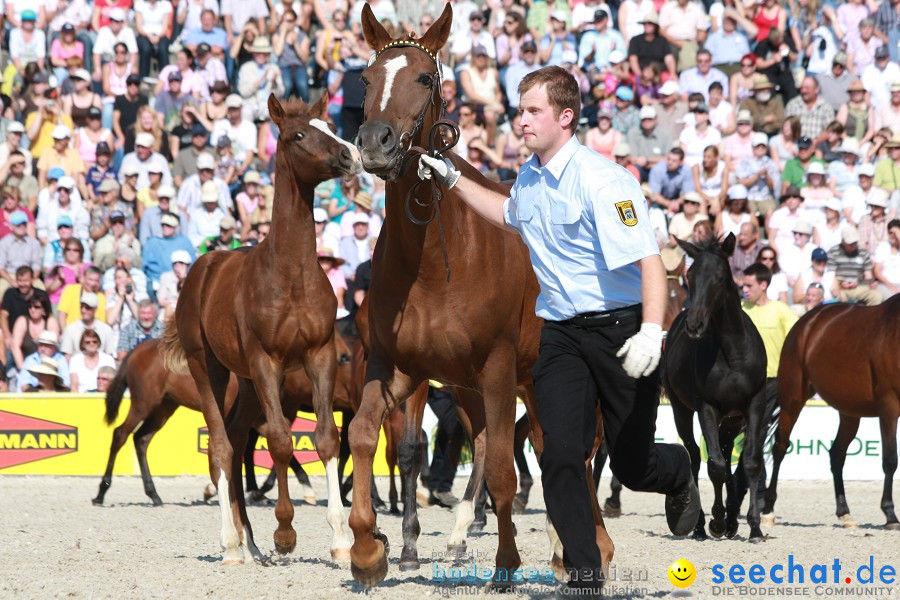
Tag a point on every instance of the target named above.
point(524, 209)
point(562, 210)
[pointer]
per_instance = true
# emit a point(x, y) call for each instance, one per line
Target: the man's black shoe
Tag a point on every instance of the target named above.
point(683, 509)
point(445, 499)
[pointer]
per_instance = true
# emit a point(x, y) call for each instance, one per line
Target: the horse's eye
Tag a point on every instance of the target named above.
point(424, 80)
point(298, 137)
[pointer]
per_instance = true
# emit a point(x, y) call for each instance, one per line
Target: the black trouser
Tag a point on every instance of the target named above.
point(447, 441)
point(577, 365)
point(146, 51)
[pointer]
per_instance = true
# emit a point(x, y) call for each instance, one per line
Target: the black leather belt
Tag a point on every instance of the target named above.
point(604, 318)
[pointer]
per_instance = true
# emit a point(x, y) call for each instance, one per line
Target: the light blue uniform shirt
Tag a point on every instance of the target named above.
point(585, 222)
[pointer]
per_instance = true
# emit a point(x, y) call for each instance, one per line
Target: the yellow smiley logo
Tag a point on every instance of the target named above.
point(682, 573)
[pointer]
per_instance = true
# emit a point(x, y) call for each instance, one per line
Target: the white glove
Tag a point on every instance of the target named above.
point(642, 351)
point(440, 168)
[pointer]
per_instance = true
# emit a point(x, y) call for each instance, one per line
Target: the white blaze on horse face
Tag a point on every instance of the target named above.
point(323, 127)
point(391, 68)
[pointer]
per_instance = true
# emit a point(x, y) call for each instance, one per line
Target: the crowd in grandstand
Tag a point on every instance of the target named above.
point(135, 137)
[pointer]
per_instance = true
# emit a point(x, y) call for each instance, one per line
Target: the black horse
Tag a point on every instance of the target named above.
point(715, 365)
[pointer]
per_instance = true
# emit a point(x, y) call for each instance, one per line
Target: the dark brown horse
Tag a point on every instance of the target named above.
point(156, 393)
point(475, 329)
point(261, 314)
point(848, 354)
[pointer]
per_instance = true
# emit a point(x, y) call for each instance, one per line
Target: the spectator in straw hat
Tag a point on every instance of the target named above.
point(766, 108)
point(258, 78)
point(887, 171)
point(61, 155)
point(46, 345)
point(739, 145)
point(205, 220)
point(795, 258)
point(226, 239)
point(252, 205)
point(46, 377)
point(873, 227)
point(190, 191)
point(331, 265)
point(16, 174)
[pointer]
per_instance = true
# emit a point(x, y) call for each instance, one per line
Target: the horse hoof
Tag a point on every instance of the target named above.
point(559, 570)
point(611, 511)
point(345, 503)
point(700, 535)
point(893, 526)
point(372, 575)
point(716, 528)
point(456, 551)
point(497, 587)
point(285, 541)
point(209, 492)
point(156, 501)
point(395, 511)
point(768, 520)
point(409, 565)
point(340, 555)
point(847, 522)
point(423, 498)
point(477, 526)
point(518, 506)
point(233, 557)
point(756, 537)
point(311, 500)
point(731, 530)
point(383, 539)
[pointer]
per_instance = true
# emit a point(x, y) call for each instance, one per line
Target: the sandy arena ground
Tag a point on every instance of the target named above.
point(55, 544)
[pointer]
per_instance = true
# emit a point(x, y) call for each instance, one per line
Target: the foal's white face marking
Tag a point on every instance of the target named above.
point(323, 127)
point(391, 67)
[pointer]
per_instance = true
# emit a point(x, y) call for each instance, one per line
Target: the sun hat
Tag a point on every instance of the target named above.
point(802, 227)
point(169, 219)
point(234, 101)
point(668, 88)
point(815, 168)
point(227, 222)
point(205, 161)
point(648, 112)
point(165, 191)
point(61, 132)
point(209, 192)
point(144, 139)
point(744, 116)
point(363, 199)
point(48, 338)
point(737, 192)
point(328, 253)
point(834, 204)
point(90, 299)
point(850, 235)
point(622, 149)
point(359, 218)
point(181, 256)
point(108, 185)
point(320, 215)
point(879, 197)
point(47, 366)
point(850, 146)
point(251, 177)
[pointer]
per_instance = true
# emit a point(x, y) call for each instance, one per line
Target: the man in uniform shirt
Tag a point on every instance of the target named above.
point(596, 258)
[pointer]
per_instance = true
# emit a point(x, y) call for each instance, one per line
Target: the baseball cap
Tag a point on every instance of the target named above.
point(18, 218)
point(81, 74)
point(144, 139)
point(209, 192)
point(359, 218)
point(67, 27)
point(227, 222)
point(234, 101)
point(251, 177)
point(90, 299)
point(63, 221)
point(701, 107)
point(834, 204)
point(15, 127)
point(40, 78)
point(802, 227)
point(668, 88)
point(558, 15)
point(616, 57)
point(117, 215)
point(622, 149)
point(65, 182)
point(117, 14)
point(759, 139)
point(850, 235)
point(866, 169)
point(529, 46)
point(175, 75)
point(804, 142)
point(479, 50)
point(108, 185)
point(61, 132)
point(29, 15)
point(203, 49)
point(94, 113)
point(815, 168)
point(103, 148)
point(165, 191)
point(693, 197)
point(737, 192)
point(648, 112)
point(819, 255)
point(625, 94)
point(223, 142)
point(169, 219)
point(600, 14)
point(882, 52)
point(55, 173)
point(476, 14)
point(133, 80)
point(130, 169)
point(181, 256)
point(198, 129)
point(839, 59)
point(320, 215)
point(205, 161)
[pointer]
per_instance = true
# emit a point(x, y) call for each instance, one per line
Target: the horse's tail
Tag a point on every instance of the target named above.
point(174, 358)
point(116, 391)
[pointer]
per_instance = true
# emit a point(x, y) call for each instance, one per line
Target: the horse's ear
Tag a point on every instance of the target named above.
point(374, 32)
point(276, 110)
point(728, 245)
point(437, 35)
point(688, 247)
point(320, 108)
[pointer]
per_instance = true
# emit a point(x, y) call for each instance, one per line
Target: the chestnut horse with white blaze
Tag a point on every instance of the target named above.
point(261, 314)
point(452, 298)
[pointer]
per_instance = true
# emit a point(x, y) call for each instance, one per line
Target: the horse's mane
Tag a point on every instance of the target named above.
point(294, 107)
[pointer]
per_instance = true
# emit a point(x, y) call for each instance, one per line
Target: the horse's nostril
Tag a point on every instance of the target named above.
point(345, 157)
point(387, 138)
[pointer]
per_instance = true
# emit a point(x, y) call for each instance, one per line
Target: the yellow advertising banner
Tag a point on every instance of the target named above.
point(65, 434)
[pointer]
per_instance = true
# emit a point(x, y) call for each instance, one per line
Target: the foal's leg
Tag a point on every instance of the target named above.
point(793, 391)
point(142, 438)
point(321, 367)
point(384, 390)
point(411, 456)
point(838, 453)
point(267, 377)
point(137, 412)
point(889, 463)
point(684, 424)
point(523, 425)
point(716, 466)
point(211, 378)
point(245, 412)
point(472, 418)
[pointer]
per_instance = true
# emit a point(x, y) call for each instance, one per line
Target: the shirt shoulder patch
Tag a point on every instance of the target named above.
point(627, 214)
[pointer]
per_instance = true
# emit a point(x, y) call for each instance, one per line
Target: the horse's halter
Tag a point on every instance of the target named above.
point(434, 149)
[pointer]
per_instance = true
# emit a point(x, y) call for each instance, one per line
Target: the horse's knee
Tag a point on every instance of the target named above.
point(717, 469)
point(361, 440)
